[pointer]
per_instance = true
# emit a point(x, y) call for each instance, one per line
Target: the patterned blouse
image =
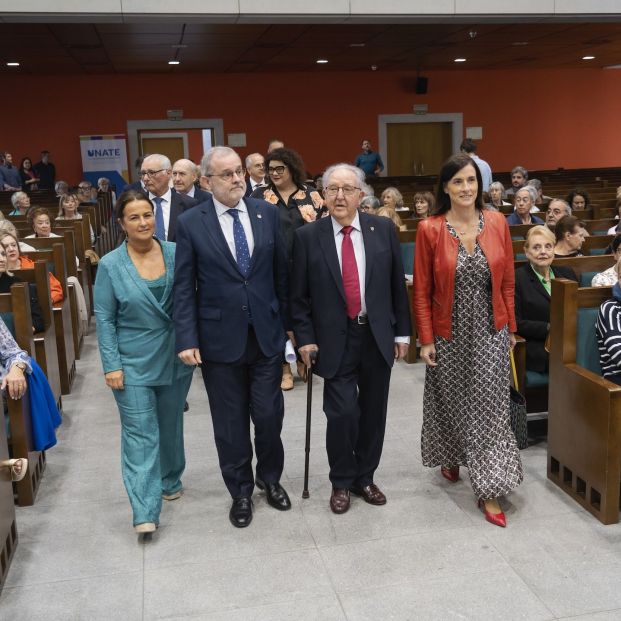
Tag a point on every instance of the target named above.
point(607, 278)
point(10, 353)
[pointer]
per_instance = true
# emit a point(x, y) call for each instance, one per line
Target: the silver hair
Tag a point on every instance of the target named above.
point(367, 190)
point(214, 152)
point(531, 190)
point(59, 185)
point(343, 166)
point(164, 161)
point(370, 201)
point(397, 195)
point(535, 183)
point(248, 160)
point(103, 180)
point(565, 203)
point(520, 169)
point(497, 184)
point(16, 196)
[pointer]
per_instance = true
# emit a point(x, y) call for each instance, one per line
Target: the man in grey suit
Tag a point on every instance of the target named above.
point(156, 174)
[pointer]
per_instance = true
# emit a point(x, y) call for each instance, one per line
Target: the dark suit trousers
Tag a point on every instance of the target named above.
point(355, 402)
point(238, 392)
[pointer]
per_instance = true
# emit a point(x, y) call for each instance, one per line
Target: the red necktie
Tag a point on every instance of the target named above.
point(351, 284)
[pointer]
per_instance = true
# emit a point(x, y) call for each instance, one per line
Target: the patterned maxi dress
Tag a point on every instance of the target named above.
point(466, 399)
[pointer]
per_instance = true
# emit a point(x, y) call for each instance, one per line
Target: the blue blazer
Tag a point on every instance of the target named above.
point(134, 330)
point(212, 296)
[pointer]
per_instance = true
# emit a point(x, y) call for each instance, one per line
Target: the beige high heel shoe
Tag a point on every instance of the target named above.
point(145, 527)
point(18, 467)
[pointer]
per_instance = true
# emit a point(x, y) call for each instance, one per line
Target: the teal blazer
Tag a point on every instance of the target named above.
point(134, 330)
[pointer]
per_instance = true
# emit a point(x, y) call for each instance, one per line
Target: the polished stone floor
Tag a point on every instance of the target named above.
point(428, 554)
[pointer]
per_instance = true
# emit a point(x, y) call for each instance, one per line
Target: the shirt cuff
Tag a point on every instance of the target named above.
point(402, 339)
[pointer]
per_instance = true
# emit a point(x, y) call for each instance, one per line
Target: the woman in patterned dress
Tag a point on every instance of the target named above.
point(464, 306)
point(297, 205)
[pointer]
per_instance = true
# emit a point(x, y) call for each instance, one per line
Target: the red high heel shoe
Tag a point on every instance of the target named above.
point(450, 474)
point(497, 519)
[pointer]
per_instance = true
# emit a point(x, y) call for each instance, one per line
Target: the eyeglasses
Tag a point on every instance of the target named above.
point(276, 170)
point(85, 187)
point(228, 175)
point(150, 173)
point(348, 190)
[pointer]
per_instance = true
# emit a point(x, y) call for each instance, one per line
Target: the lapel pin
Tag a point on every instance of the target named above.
point(372, 228)
point(259, 215)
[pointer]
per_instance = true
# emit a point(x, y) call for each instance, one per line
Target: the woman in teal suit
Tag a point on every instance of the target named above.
point(133, 306)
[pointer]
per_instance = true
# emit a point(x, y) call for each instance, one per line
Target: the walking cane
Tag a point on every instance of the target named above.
point(309, 401)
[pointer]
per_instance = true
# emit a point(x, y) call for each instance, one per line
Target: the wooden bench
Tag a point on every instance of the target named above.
point(8, 526)
point(17, 303)
point(584, 424)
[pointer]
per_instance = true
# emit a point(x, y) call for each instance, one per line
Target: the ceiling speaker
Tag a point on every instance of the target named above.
point(421, 85)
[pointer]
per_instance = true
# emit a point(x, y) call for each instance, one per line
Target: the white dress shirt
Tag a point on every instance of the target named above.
point(255, 184)
point(226, 223)
point(361, 261)
point(166, 198)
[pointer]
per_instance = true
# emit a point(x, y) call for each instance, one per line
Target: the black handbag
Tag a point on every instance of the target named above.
point(517, 411)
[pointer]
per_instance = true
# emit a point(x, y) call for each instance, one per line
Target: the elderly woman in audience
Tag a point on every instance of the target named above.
point(370, 204)
point(424, 204)
point(532, 294)
point(463, 302)
point(7, 279)
point(40, 221)
point(497, 195)
point(61, 187)
point(393, 199)
point(608, 331)
point(613, 230)
point(524, 201)
point(68, 210)
point(30, 180)
point(21, 203)
point(609, 277)
point(6, 226)
point(133, 307)
point(578, 200)
point(569, 238)
point(298, 204)
point(17, 261)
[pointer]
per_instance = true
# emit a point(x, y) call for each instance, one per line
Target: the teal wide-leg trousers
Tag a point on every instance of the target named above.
point(152, 453)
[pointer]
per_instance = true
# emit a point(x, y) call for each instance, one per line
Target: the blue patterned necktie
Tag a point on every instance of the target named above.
point(160, 230)
point(241, 243)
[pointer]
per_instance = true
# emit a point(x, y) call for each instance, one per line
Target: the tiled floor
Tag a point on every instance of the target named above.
point(428, 554)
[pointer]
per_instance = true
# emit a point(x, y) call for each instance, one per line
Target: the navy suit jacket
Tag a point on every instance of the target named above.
point(212, 296)
point(318, 310)
point(178, 204)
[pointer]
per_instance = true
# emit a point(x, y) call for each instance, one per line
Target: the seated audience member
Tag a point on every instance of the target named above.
point(392, 198)
point(557, 209)
point(613, 230)
point(68, 210)
point(30, 181)
point(569, 238)
point(17, 261)
point(541, 198)
point(7, 279)
point(609, 277)
point(583, 230)
point(61, 188)
point(10, 179)
point(497, 194)
point(524, 202)
point(608, 331)
point(6, 226)
point(370, 204)
point(21, 204)
point(41, 223)
point(87, 193)
point(389, 212)
point(532, 295)
point(103, 185)
point(424, 204)
point(519, 178)
point(578, 200)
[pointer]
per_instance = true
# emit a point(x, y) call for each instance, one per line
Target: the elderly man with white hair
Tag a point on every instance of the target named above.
point(185, 178)
point(557, 208)
point(255, 167)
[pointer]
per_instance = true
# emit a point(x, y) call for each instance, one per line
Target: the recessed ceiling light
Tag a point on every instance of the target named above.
point(460, 60)
point(322, 61)
point(173, 62)
point(588, 57)
point(520, 43)
point(12, 64)
point(179, 46)
point(357, 44)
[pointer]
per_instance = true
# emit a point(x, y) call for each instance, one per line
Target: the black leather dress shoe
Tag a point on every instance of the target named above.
point(275, 494)
point(241, 512)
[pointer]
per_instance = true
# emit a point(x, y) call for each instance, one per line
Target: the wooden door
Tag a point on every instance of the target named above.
point(172, 146)
point(418, 148)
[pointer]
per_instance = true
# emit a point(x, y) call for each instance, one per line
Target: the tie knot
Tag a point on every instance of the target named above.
point(158, 200)
point(234, 213)
point(346, 230)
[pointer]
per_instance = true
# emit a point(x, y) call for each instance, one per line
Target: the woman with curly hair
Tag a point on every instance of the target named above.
point(297, 204)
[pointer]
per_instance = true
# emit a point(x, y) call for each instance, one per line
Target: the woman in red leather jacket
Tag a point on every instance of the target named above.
point(464, 306)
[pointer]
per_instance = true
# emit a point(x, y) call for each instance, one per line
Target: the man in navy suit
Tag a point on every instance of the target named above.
point(255, 166)
point(156, 173)
point(349, 305)
point(185, 179)
point(230, 308)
